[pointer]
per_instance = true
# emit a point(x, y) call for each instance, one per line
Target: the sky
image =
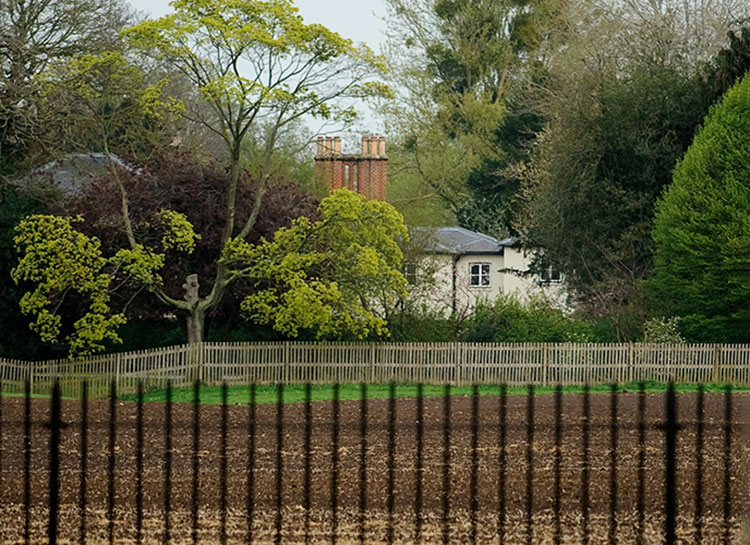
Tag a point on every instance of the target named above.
point(358, 20)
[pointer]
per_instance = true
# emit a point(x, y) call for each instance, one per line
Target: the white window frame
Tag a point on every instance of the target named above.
point(483, 272)
point(547, 276)
point(411, 272)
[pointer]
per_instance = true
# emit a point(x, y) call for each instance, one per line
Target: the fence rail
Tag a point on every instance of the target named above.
point(427, 363)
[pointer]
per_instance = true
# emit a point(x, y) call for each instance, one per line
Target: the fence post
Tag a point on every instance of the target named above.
point(285, 371)
point(715, 374)
point(31, 376)
point(457, 362)
point(118, 369)
point(631, 369)
point(372, 362)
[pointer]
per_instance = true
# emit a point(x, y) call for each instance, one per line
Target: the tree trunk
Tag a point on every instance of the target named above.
point(197, 317)
point(195, 322)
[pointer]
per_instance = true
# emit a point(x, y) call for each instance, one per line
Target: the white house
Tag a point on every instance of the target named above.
point(451, 269)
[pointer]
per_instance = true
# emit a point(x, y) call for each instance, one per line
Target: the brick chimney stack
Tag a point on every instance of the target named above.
point(366, 174)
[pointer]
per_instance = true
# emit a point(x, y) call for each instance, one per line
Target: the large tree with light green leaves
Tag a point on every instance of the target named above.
point(257, 69)
point(702, 229)
point(337, 277)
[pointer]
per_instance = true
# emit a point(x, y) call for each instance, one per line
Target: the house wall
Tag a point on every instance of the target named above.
point(506, 277)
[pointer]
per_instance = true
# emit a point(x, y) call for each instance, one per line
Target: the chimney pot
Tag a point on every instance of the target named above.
point(321, 145)
point(381, 146)
point(365, 144)
point(329, 145)
point(337, 145)
point(373, 145)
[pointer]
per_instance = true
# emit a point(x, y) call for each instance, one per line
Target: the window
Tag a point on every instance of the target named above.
point(551, 275)
point(410, 272)
point(479, 275)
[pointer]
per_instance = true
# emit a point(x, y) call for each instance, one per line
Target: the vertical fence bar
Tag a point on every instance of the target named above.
point(699, 419)
point(2, 530)
point(250, 507)
point(27, 463)
point(111, 461)
point(167, 536)
point(139, 466)
point(54, 463)
point(502, 439)
point(335, 465)
point(585, 464)
point(223, 466)
point(670, 466)
point(558, 462)
point(529, 462)
point(419, 463)
point(391, 459)
point(612, 534)
point(195, 481)
point(641, 508)
point(279, 460)
point(446, 489)
point(727, 464)
point(362, 462)
point(474, 479)
point(84, 462)
point(308, 452)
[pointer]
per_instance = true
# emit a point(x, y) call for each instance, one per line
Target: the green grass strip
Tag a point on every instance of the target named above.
point(238, 395)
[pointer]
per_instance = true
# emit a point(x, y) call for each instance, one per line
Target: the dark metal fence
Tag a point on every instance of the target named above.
point(610, 468)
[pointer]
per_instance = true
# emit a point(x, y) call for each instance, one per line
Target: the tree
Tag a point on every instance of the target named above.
point(104, 103)
point(340, 275)
point(702, 229)
point(178, 179)
point(258, 68)
point(728, 66)
point(622, 101)
point(465, 68)
point(34, 33)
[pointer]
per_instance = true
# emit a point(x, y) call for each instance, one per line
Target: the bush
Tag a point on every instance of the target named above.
point(509, 320)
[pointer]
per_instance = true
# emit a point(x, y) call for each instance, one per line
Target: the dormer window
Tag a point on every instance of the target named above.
point(479, 275)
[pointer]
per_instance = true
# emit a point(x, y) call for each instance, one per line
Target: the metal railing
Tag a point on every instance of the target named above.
point(603, 468)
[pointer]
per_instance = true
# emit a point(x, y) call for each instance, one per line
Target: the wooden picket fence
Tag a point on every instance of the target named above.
point(428, 363)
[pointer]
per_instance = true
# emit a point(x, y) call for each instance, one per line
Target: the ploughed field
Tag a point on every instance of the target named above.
point(319, 520)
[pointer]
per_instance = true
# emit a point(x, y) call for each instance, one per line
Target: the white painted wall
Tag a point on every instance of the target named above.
point(506, 277)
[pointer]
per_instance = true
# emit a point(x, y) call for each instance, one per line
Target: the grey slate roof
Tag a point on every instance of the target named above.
point(457, 241)
point(72, 172)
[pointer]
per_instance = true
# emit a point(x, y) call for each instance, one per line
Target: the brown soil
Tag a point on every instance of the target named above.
point(348, 492)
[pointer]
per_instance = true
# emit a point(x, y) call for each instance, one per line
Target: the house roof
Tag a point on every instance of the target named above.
point(458, 241)
point(72, 172)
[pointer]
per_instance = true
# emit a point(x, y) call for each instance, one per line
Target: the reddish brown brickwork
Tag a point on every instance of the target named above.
point(366, 174)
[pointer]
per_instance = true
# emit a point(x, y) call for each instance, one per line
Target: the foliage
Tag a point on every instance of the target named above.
point(258, 69)
point(510, 320)
point(622, 100)
point(59, 261)
point(177, 179)
point(662, 331)
point(36, 33)
point(702, 229)
point(421, 325)
point(728, 66)
point(17, 341)
point(104, 102)
point(464, 69)
point(338, 276)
